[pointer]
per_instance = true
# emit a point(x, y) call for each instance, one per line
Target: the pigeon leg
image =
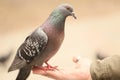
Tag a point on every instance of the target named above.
point(49, 67)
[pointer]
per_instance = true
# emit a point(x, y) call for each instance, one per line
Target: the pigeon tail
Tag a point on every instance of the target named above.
point(24, 73)
point(17, 64)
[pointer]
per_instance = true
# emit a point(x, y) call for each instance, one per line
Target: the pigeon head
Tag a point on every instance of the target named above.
point(59, 15)
point(66, 10)
point(62, 11)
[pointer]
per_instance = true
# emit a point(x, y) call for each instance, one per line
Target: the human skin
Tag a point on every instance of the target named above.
point(81, 71)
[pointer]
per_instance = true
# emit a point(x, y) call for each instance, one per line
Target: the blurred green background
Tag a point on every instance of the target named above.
point(97, 28)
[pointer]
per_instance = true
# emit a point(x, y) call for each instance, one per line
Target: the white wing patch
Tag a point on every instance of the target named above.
point(19, 54)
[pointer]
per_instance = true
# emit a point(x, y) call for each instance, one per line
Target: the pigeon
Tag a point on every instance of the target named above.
point(42, 43)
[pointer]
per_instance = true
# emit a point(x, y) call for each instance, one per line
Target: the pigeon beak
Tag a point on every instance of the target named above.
point(73, 14)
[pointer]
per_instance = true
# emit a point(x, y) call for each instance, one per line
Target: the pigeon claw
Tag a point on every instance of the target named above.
point(49, 67)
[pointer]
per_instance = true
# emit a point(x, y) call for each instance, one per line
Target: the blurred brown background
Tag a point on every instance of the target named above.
point(97, 29)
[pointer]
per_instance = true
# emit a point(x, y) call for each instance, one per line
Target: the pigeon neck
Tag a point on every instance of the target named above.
point(57, 20)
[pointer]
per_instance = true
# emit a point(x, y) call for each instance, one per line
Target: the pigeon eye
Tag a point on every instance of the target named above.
point(68, 8)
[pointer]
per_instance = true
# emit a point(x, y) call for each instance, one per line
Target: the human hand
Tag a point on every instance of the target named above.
point(80, 72)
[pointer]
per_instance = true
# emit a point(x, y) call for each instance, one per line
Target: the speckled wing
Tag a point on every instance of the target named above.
point(32, 47)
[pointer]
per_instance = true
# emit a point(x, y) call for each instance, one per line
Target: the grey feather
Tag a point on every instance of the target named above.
point(43, 43)
point(32, 46)
point(24, 73)
point(17, 63)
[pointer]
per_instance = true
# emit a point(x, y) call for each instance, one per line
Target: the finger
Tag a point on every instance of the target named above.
point(38, 71)
point(53, 74)
point(77, 60)
point(58, 75)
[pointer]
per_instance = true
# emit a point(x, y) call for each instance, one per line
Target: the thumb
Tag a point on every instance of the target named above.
point(77, 60)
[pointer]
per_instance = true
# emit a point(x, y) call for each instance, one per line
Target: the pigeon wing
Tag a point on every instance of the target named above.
point(32, 46)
